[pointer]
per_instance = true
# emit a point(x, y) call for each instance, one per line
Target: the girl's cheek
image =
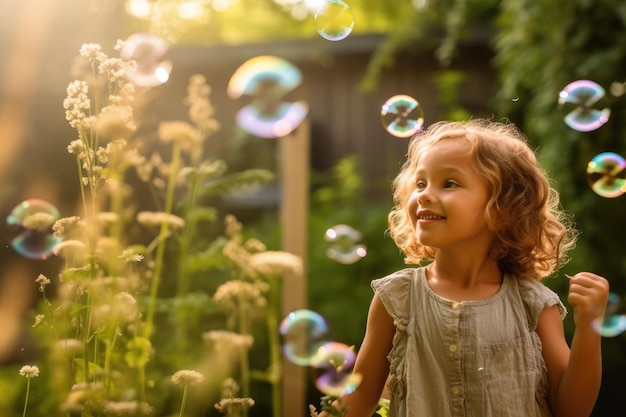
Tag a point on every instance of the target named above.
point(412, 206)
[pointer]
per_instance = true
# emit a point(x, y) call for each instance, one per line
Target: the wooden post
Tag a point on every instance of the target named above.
point(294, 165)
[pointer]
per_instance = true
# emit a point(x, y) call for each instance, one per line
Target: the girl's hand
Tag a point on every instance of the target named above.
point(588, 295)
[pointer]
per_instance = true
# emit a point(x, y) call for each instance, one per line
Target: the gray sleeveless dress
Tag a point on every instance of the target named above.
point(472, 358)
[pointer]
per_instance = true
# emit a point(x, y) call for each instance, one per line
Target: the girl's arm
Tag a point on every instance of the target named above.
point(371, 363)
point(575, 373)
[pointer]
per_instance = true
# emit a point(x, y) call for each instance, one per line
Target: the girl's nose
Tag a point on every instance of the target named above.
point(425, 195)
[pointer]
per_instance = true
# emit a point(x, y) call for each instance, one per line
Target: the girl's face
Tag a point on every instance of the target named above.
point(447, 207)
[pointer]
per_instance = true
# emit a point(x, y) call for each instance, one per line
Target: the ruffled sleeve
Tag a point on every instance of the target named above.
point(536, 296)
point(394, 291)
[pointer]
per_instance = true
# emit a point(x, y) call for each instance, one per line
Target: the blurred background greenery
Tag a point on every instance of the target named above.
point(505, 59)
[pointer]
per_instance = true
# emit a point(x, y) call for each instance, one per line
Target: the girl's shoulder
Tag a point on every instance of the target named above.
point(536, 296)
point(395, 291)
point(397, 281)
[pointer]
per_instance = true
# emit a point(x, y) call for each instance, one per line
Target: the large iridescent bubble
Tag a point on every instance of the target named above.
point(606, 174)
point(266, 80)
point(148, 52)
point(303, 332)
point(402, 116)
point(32, 220)
point(581, 100)
point(334, 19)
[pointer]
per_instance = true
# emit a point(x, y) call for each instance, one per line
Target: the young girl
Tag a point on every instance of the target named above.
point(475, 332)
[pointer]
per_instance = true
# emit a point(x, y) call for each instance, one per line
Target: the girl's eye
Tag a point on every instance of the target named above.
point(450, 184)
point(420, 185)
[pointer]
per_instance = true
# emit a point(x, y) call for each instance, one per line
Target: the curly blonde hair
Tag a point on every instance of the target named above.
point(533, 233)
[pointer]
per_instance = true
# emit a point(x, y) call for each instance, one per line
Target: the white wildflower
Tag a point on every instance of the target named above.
point(232, 292)
point(187, 377)
point(77, 104)
point(226, 342)
point(39, 318)
point(71, 346)
point(125, 307)
point(62, 226)
point(129, 255)
point(127, 408)
point(108, 217)
point(67, 248)
point(152, 218)
point(182, 132)
point(39, 221)
point(277, 263)
point(233, 407)
point(42, 280)
point(29, 371)
point(116, 121)
point(92, 51)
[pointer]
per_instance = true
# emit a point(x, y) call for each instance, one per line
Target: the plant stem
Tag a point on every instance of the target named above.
point(183, 402)
point(274, 346)
point(27, 395)
point(159, 258)
point(244, 329)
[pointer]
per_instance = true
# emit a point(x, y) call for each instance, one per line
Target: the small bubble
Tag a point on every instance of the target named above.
point(148, 51)
point(612, 324)
point(33, 220)
point(606, 174)
point(334, 19)
point(345, 244)
point(581, 101)
point(402, 116)
point(332, 366)
point(304, 332)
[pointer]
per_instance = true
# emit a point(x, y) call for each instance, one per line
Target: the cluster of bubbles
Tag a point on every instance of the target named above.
point(32, 222)
point(306, 342)
point(585, 111)
point(583, 101)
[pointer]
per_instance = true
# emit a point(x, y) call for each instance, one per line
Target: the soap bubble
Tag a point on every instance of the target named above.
point(580, 98)
point(402, 116)
point(267, 80)
point(148, 51)
point(613, 324)
point(304, 332)
point(334, 19)
point(606, 174)
point(333, 367)
point(33, 220)
point(345, 244)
